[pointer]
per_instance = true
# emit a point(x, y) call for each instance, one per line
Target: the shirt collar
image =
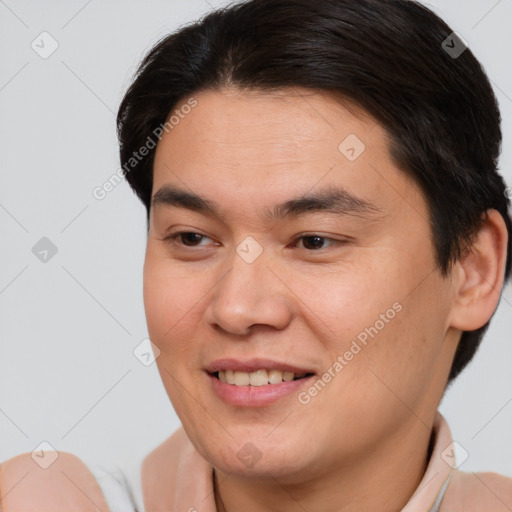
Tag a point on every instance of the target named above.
point(430, 491)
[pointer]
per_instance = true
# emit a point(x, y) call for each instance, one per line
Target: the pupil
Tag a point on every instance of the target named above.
point(314, 245)
point(191, 237)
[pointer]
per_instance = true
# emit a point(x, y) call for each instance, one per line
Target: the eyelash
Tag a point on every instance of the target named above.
point(174, 237)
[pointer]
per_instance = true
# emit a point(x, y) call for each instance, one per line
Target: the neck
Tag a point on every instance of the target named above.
point(383, 480)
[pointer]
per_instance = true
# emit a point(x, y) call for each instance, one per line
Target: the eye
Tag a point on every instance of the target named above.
point(315, 242)
point(188, 238)
point(312, 242)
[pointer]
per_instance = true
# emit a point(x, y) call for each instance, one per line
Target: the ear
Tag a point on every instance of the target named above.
point(479, 275)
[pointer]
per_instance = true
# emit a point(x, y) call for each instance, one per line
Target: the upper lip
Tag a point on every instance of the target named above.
point(251, 365)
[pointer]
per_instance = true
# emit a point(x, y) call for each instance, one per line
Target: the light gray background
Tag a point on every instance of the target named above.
point(68, 327)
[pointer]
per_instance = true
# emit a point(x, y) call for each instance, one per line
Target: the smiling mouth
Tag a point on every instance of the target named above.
point(258, 378)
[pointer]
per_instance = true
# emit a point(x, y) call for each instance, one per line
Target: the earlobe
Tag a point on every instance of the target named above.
point(480, 275)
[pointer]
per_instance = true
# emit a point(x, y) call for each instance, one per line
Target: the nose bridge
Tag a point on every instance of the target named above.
point(249, 293)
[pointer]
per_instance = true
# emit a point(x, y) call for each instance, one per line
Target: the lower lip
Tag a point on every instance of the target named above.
point(255, 396)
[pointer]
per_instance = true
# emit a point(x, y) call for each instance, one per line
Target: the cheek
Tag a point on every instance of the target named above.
point(394, 320)
point(348, 300)
point(405, 354)
point(171, 302)
point(171, 298)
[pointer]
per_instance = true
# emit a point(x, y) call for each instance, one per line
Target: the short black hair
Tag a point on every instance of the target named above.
point(394, 58)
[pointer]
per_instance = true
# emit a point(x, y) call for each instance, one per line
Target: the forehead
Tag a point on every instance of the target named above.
point(285, 118)
point(262, 148)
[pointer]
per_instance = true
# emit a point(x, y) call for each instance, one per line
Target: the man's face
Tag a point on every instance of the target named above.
point(350, 294)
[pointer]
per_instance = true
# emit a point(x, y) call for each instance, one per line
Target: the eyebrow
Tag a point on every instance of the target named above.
point(332, 199)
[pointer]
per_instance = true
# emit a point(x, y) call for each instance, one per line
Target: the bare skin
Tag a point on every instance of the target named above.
point(67, 484)
point(369, 428)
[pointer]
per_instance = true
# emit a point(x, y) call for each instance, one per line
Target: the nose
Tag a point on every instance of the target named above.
point(250, 294)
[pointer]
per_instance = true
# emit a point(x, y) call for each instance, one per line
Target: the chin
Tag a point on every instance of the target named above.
point(259, 460)
point(288, 472)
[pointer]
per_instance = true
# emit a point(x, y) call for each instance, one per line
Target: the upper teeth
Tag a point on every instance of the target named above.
point(257, 378)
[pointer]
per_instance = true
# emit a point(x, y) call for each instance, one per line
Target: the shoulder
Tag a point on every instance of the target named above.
point(478, 492)
point(65, 483)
